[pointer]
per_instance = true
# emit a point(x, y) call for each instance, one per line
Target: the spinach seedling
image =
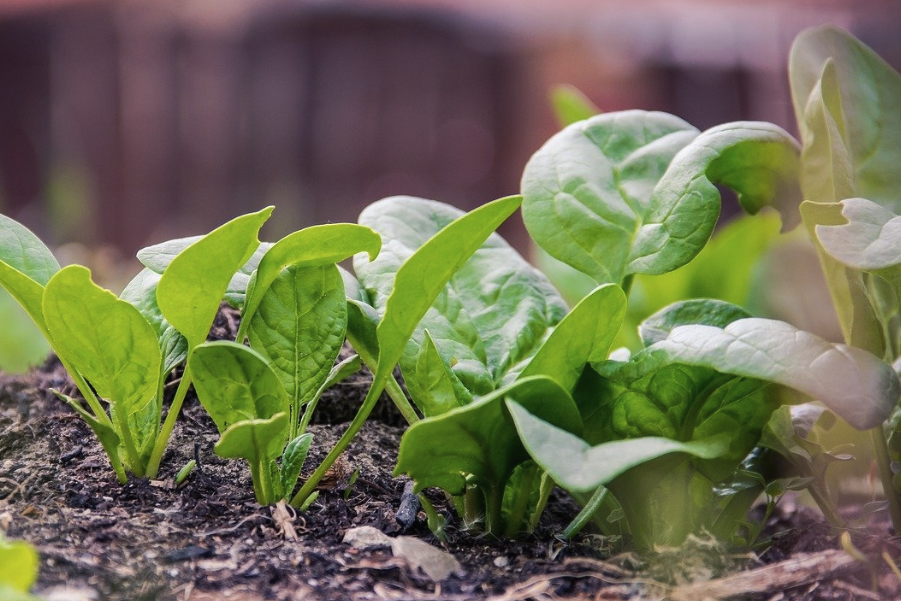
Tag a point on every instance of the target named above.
point(118, 351)
point(848, 105)
point(19, 566)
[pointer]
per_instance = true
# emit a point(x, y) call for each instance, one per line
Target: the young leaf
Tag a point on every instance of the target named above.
point(493, 314)
point(104, 338)
point(571, 105)
point(436, 388)
point(292, 461)
point(194, 283)
point(299, 327)
point(865, 110)
point(869, 240)
point(18, 565)
point(26, 265)
point(584, 336)
point(579, 467)
point(310, 247)
point(480, 440)
point(853, 383)
point(235, 383)
point(141, 292)
point(588, 189)
point(260, 442)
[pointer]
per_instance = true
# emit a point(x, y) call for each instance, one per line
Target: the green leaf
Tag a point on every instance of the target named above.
point(584, 336)
point(299, 327)
point(862, 100)
point(259, 441)
point(292, 462)
point(757, 160)
point(853, 383)
point(194, 283)
point(479, 440)
point(588, 189)
point(493, 313)
point(697, 311)
point(18, 565)
point(436, 388)
point(579, 467)
point(310, 247)
point(104, 338)
point(141, 292)
point(235, 383)
point(571, 105)
point(26, 265)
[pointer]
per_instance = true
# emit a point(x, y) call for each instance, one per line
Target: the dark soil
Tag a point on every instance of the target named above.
point(208, 539)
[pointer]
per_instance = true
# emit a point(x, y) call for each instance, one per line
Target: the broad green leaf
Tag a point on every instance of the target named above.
point(195, 282)
point(299, 327)
point(436, 388)
point(362, 325)
point(579, 467)
point(235, 383)
point(654, 395)
point(863, 100)
point(104, 338)
point(493, 314)
point(18, 565)
point(571, 105)
point(292, 462)
point(310, 247)
point(141, 292)
point(422, 277)
point(584, 336)
point(588, 189)
point(479, 441)
point(852, 382)
point(697, 311)
point(869, 240)
point(259, 441)
point(757, 160)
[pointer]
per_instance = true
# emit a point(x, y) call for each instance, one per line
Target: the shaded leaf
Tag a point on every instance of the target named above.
point(141, 292)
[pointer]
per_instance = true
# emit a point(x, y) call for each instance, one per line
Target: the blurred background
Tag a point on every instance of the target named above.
point(125, 123)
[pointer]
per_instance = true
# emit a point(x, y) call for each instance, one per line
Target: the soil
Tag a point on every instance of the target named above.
point(208, 539)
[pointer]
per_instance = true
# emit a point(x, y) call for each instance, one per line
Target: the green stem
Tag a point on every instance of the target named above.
point(598, 499)
point(521, 503)
point(880, 446)
point(153, 465)
point(627, 284)
point(88, 393)
point(256, 474)
point(131, 451)
point(400, 401)
point(494, 521)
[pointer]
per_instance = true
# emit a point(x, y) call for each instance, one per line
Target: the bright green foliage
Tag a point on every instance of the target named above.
point(141, 292)
point(848, 104)
point(571, 105)
point(491, 316)
point(417, 283)
point(473, 450)
point(668, 428)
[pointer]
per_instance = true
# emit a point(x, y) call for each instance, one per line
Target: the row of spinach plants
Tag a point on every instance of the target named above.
point(510, 391)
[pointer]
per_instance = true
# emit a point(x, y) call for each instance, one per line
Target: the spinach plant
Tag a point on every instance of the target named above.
point(120, 352)
point(18, 570)
point(847, 102)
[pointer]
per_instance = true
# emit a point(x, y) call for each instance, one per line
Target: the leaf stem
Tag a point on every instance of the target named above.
point(521, 505)
point(880, 446)
point(153, 465)
point(400, 400)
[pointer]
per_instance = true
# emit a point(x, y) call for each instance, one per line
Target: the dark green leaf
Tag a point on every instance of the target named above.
point(292, 462)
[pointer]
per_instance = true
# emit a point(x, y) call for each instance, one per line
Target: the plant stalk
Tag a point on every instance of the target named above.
point(880, 446)
point(153, 465)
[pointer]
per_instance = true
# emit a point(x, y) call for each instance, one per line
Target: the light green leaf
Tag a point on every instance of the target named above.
point(588, 189)
point(299, 327)
point(571, 105)
point(235, 383)
point(104, 338)
point(870, 239)
point(436, 388)
point(480, 440)
point(26, 265)
point(578, 467)
point(292, 462)
point(757, 160)
point(696, 311)
point(18, 565)
point(195, 282)
point(259, 441)
point(141, 292)
point(853, 383)
point(310, 247)
point(494, 312)
point(584, 336)
point(863, 101)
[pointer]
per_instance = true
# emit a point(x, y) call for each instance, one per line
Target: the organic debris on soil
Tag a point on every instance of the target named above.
point(208, 539)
